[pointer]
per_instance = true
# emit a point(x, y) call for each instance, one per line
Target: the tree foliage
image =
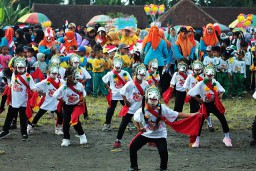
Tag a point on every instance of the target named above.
point(12, 12)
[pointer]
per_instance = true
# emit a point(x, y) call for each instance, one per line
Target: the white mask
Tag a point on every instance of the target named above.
point(75, 61)
point(209, 72)
point(141, 72)
point(182, 67)
point(153, 97)
point(197, 68)
point(118, 64)
point(54, 70)
point(154, 66)
point(20, 64)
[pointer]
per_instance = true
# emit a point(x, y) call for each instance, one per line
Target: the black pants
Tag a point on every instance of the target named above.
point(111, 110)
point(86, 110)
point(254, 129)
point(140, 141)
point(67, 111)
point(194, 105)
point(125, 120)
point(41, 112)
point(179, 101)
point(211, 108)
point(23, 119)
point(4, 98)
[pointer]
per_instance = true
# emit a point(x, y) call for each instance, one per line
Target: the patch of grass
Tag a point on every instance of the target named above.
point(239, 113)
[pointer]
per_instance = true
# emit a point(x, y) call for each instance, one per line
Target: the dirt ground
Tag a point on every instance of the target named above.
point(43, 152)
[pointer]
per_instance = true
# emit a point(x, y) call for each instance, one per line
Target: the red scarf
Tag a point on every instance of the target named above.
point(188, 126)
point(8, 92)
point(78, 109)
point(54, 84)
point(153, 78)
point(167, 95)
point(118, 77)
point(183, 75)
point(32, 98)
point(199, 77)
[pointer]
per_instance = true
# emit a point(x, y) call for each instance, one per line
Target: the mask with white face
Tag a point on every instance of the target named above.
point(54, 70)
point(55, 61)
point(209, 72)
point(118, 63)
point(197, 67)
point(182, 67)
point(20, 65)
point(152, 96)
point(154, 66)
point(75, 60)
point(141, 72)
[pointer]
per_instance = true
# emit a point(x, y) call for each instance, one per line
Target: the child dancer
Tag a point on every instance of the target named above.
point(47, 87)
point(21, 83)
point(116, 78)
point(72, 95)
point(152, 74)
point(190, 82)
point(149, 121)
point(239, 74)
point(210, 92)
point(132, 93)
point(178, 81)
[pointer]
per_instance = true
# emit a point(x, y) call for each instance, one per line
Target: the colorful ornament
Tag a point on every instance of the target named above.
point(247, 22)
point(28, 77)
point(241, 17)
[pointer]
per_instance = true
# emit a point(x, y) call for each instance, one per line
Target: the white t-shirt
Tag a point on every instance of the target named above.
point(178, 81)
point(68, 95)
point(49, 103)
point(207, 60)
point(156, 76)
point(61, 72)
point(161, 132)
point(254, 95)
point(19, 91)
point(200, 89)
point(239, 67)
point(132, 94)
point(224, 66)
point(248, 58)
point(191, 81)
point(115, 87)
point(84, 73)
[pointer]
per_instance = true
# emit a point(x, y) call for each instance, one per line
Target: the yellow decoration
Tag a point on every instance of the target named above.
point(147, 9)
point(149, 77)
point(207, 88)
point(215, 88)
point(247, 22)
point(241, 17)
point(161, 8)
point(155, 8)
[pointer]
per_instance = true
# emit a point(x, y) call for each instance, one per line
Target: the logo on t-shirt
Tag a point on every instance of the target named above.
point(118, 84)
point(137, 97)
point(51, 91)
point(181, 81)
point(17, 87)
point(72, 98)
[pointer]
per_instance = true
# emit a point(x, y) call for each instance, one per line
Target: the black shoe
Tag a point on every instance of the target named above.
point(163, 169)
point(13, 126)
point(3, 134)
point(24, 137)
point(253, 143)
point(211, 129)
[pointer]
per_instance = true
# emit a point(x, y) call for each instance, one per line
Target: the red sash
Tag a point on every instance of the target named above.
point(167, 95)
point(119, 78)
point(78, 109)
point(199, 77)
point(153, 78)
point(138, 87)
point(32, 98)
point(54, 84)
point(8, 93)
point(109, 98)
point(189, 126)
point(183, 75)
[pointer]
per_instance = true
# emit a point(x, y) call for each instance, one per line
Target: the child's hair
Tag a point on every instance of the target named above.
point(31, 50)
point(137, 57)
point(73, 46)
point(243, 44)
point(3, 48)
point(97, 48)
point(93, 43)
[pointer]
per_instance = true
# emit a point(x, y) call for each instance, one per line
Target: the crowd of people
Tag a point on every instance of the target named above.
point(133, 66)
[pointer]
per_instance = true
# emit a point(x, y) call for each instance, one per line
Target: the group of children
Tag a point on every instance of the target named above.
point(121, 76)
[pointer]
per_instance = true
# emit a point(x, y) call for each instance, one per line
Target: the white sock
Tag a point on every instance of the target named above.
point(198, 139)
point(117, 140)
point(209, 121)
point(227, 135)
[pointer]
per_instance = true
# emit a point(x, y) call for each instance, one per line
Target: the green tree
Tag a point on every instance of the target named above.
point(25, 3)
point(107, 2)
point(11, 13)
point(75, 2)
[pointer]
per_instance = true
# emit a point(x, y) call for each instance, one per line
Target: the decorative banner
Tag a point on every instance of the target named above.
point(121, 23)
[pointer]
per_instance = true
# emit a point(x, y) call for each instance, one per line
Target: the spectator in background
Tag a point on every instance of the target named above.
point(101, 36)
point(38, 37)
point(20, 40)
point(8, 40)
point(72, 27)
point(90, 36)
